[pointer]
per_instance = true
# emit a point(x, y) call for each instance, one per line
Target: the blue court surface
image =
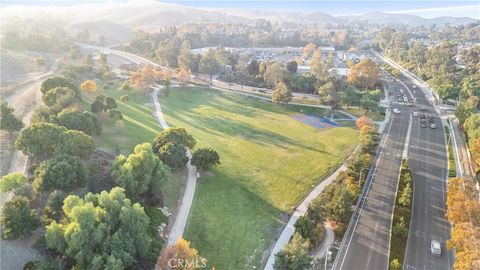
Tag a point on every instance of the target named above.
point(315, 121)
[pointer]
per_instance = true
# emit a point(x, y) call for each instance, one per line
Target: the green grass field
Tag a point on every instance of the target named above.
point(269, 162)
point(375, 116)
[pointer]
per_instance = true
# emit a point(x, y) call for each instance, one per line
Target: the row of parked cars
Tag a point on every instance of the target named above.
point(425, 120)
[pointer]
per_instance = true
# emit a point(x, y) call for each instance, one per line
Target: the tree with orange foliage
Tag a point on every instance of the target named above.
point(463, 211)
point(363, 121)
point(184, 75)
point(144, 78)
point(309, 49)
point(365, 74)
point(89, 86)
point(180, 257)
point(475, 151)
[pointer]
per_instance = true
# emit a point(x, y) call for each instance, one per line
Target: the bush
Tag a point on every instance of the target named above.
point(12, 181)
point(17, 219)
point(89, 86)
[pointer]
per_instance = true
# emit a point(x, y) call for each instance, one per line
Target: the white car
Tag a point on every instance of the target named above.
point(414, 86)
point(435, 248)
point(415, 114)
point(401, 90)
point(395, 110)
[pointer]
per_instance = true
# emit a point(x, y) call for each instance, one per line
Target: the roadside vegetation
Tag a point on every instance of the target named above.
point(463, 212)
point(452, 172)
point(401, 217)
point(333, 205)
point(269, 161)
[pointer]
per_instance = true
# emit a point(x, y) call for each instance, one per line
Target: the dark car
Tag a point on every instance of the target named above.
point(423, 120)
point(422, 116)
point(423, 125)
point(430, 118)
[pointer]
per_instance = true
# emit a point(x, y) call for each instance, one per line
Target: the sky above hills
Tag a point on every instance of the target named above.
point(427, 9)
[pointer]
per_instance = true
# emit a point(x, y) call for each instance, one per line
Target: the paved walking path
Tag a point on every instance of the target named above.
point(300, 211)
point(321, 251)
point(181, 219)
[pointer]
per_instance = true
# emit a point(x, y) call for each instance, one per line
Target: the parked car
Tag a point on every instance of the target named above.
point(433, 126)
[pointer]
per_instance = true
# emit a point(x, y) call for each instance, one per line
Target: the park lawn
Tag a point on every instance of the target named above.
point(375, 116)
point(269, 163)
point(138, 126)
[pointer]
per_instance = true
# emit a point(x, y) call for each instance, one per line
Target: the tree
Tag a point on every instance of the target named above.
point(144, 78)
point(126, 87)
point(294, 256)
point(62, 172)
point(329, 94)
point(166, 87)
point(276, 73)
point(89, 86)
point(319, 67)
point(58, 81)
point(116, 115)
point(12, 181)
point(395, 265)
point(184, 257)
point(205, 158)
point(110, 103)
point(186, 59)
point(17, 219)
point(349, 96)
point(363, 121)
point(168, 52)
point(101, 231)
point(140, 172)
point(304, 226)
point(53, 207)
point(366, 74)
point(76, 120)
point(472, 126)
point(97, 106)
point(173, 155)
point(471, 58)
point(292, 67)
point(124, 98)
point(173, 135)
point(281, 94)
point(208, 64)
point(309, 50)
point(8, 121)
point(60, 97)
point(40, 140)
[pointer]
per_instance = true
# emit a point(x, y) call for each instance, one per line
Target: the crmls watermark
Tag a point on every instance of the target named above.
point(188, 263)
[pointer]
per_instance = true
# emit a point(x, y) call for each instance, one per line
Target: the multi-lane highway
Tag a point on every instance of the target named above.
point(366, 242)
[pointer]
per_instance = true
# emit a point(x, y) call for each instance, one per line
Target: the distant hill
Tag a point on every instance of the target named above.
point(114, 33)
point(381, 18)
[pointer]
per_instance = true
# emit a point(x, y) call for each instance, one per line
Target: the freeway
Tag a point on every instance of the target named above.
point(367, 240)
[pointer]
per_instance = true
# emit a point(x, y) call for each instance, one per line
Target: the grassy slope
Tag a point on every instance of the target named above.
point(269, 162)
point(139, 126)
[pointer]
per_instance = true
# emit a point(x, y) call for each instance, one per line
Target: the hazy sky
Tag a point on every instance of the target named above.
point(422, 8)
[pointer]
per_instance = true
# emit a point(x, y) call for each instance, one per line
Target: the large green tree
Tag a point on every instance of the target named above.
point(12, 181)
point(8, 121)
point(77, 120)
point(140, 173)
point(281, 93)
point(58, 81)
point(173, 155)
point(62, 172)
point(205, 158)
point(173, 135)
point(43, 140)
point(17, 219)
point(208, 64)
point(101, 231)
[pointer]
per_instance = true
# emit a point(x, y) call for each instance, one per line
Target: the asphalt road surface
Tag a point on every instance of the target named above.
point(367, 242)
point(429, 166)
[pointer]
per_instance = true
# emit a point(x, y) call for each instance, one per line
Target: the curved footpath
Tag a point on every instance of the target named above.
point(181, 219)
point(300, 211)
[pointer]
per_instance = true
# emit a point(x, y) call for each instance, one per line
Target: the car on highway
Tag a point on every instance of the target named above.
point(436, 248)
point(423, 125)
point(395, 110)
point(423, 116)
point(423, 120)
point(415, 114)
point(430, 118)
point(399, 98)
point(433, 126)
point(414, 86)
